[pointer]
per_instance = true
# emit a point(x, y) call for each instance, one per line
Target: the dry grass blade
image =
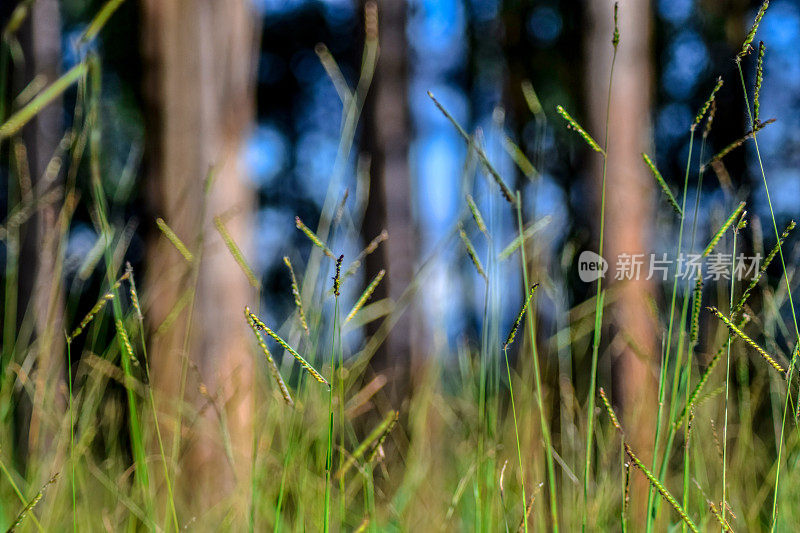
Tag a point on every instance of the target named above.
point(305, 364)
point(383, 428)
point(371, 247)
point(21, 117)
point(662, 183)
point(532, 99)
point(363, 525)
point(100, 20)
point(313, 237)
point(273, 368)
point(365, 295)
point(298, 302)
point(478, 150)
point(334, 73)
point(750, 342)
point(31, 504)
point(236, 253)
point(661, 489)
point(520, 159)
point(528, 509)
point(174, 239)
point(527, 234)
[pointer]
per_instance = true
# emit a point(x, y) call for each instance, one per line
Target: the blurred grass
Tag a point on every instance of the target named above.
point(461, 453)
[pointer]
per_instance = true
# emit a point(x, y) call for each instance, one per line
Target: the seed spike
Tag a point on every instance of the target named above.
point(759, 80)
point(739, 333)
point(707, 104)
point(298, 302)
point(473, 255)
point(476, 214)
point(582, 132)
point(478, 150)
point(752, 33)
point(662, 183)
point(236, 252)
point(365, 296)
point(746, 294)
point(313, 237)
point(336, 277)
point(375, 436)
point(611, 413)
point(697, 298)
point(661, 489)
point(174, 239)
point(273, 368)
point(97, 308)
point(310, 369)
point(721, 231)
point(515, 327)
point(738, 142)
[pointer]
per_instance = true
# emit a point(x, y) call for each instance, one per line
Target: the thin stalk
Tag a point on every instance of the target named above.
point(551, 475)
point(71, 438)
point(516, 435)
point(727, 386)
point(665, 363)
point(692, 339)
point(598, 311)
point(329, 451)
point(152, 402)
point(788, 292)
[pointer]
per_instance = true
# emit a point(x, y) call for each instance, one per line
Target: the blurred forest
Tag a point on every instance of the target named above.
point(224, 121)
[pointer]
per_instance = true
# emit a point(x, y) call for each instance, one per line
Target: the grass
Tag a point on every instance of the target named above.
point(490, 437)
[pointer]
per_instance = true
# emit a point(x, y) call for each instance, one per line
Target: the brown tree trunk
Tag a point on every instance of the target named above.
point(385, 139)
point(628, 201)
point(199, 57)
point(40, 287)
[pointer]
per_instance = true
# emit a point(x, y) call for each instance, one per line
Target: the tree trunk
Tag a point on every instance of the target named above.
point(385, 139)
point(628, 200)
point(40, 287)
point(199, 57)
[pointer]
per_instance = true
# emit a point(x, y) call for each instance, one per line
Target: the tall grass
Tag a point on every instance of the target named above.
point(481, 434)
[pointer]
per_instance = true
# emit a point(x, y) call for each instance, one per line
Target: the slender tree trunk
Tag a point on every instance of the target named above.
point(40, 288)
point(385, 139)
point(199, 62)
point(628, 201)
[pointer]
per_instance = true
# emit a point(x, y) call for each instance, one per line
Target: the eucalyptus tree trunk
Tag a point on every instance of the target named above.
point(41, 236)
point(386, 139)
point(199, 66)
point(628, 217)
